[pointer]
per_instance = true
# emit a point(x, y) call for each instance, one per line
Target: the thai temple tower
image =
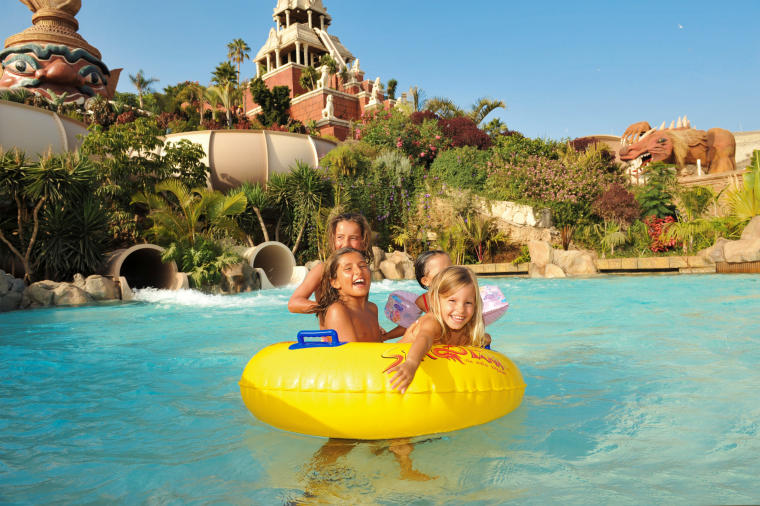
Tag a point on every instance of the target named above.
point(299, 39)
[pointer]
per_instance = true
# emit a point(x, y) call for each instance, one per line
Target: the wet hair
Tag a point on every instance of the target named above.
point(326, 294)
point(420, 264)
point(360, 220)
point(447, 282)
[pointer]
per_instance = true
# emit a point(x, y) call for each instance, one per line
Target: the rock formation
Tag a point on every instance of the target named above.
point(547, 262)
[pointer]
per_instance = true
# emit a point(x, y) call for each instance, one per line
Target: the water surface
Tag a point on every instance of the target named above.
point(640, 390)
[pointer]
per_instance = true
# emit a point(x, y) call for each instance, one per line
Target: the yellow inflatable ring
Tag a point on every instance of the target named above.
point(341, 389)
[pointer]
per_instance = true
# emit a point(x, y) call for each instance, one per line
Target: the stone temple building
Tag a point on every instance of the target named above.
point(298, 40)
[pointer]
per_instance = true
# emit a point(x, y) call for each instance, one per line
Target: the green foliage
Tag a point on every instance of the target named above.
point(73, 239)
point(744, 202)
point(516, 147)
point(695, 200)
point(237, 52)
point(464, 167)
point(309, 78)
point(274, 103)
point(391, 88)
point(453, 240)
point(329, 61)
point(182, 215)
point(383, 192)
point(523, 257)
point(392, 129)
point(348, 159)
point(128, 160)
point(567, 186)
point(142, 84)
point(482, 235)
point(202, 261)
point(304, 192)
point(38, 192)
point(656, 195)
point(259, 201)
point(224, 73)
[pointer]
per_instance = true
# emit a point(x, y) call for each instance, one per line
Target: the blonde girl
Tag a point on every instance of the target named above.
point(455, 318)
point(344, 230)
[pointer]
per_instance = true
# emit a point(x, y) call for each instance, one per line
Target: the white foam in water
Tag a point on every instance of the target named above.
point(194, 298)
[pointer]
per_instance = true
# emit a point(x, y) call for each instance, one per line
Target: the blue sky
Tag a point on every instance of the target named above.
point(564, 69)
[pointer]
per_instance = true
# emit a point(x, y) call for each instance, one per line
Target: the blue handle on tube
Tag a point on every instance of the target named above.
point(319, 334)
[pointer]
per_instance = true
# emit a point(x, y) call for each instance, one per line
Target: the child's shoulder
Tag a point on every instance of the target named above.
point(337, 309)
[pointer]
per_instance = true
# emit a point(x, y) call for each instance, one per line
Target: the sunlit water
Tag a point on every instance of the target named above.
point(640, 390)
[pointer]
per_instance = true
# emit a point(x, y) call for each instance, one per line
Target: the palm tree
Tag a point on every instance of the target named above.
point(142, 84)
point(237, 52)
point(54, 179)
point(227, 95)
point(483, 107)
point(418, 98)
point(199, 212)
point(259, 199)
point(446, 108)
point(224, 73)
point(191, 93)
point(308, 192)
point(443, 107)
point(211, 96)
point(744, 201)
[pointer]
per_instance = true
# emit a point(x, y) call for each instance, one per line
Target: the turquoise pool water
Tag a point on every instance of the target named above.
point(640, 390)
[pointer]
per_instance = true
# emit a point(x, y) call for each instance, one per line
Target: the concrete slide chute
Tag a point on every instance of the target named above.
point(235, 157)
point(141, 267)
point(275, 264)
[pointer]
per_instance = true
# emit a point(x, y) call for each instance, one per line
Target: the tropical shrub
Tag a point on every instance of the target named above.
point(567, 189)
point(464, 167)
point(203, 261)
point(463, 131)
point(128, 160)
point(617, 204)
point(383, 193)
point(514, 147)
point(744, 202)
point(191, 223)
point(48, 198)
point(274, 103)
point(656, 228)
point(656, 195)
point(392, 129)
point(73, 239)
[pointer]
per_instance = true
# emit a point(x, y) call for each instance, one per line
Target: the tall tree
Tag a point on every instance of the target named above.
point(237, 52)
point(483, 107)
point(227, 96)
point(224, 73)
point(142, 84)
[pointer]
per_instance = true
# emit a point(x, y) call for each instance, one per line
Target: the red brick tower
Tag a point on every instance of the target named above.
point(299, 40)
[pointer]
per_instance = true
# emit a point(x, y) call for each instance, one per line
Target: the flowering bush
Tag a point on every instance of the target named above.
point(464, 167)
point(656, 228)
point(617, 204)
point(464, 132)
point(567, 189)
point(420, 143)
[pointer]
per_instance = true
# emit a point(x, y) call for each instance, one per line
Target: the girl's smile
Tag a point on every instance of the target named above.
point(458, 307)
point(352, 276)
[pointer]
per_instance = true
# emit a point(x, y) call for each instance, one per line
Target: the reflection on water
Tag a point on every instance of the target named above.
point(640, 390)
